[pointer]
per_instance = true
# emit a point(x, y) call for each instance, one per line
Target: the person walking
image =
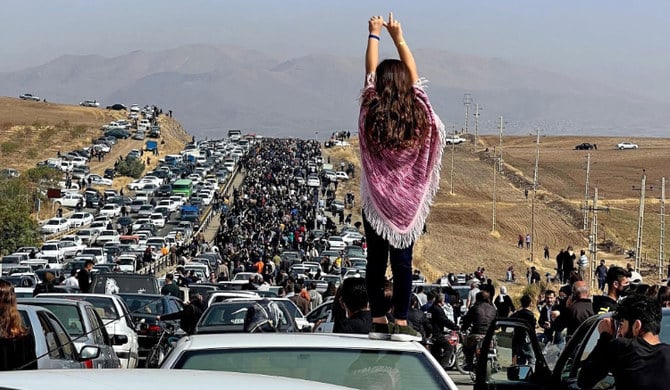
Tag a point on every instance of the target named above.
point(400, 136)
point(17, 344)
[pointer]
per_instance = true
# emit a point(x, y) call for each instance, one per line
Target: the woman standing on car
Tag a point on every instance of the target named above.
point(401, 142)
point(17, 345)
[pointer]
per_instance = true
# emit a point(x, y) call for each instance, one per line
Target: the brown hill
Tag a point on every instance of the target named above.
point(34, 131)
point(460, 236)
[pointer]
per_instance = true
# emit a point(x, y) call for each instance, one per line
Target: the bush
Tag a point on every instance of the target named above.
point(9, 147)
point(130, 167)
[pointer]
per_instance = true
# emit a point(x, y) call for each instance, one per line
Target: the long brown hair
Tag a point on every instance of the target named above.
point(395, 118)
point(11, 325)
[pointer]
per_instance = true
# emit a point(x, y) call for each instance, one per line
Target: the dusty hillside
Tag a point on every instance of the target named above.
point(460, 236)
point(34, 131)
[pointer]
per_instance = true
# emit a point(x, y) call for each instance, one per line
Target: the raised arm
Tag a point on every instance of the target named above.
point(375, 25)
point(395, 31)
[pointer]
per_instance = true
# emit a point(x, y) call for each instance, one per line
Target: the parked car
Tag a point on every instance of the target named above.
point(69, 199)
point(626, 145)
point(84, 326)
point(98, 180)
point(344, 360)
point(117, 321)
point(90, 103)
point(336, 243)
point(80, 219)
point(111, 210)
point(109, 173)
point(138, 380)
point(53, 346)
point(145, 308)
point(55, 225)
point(585, 146)
point(549, 371)
point(117, 107)
point(454, 140)
point(29, 96)
point(117, 133)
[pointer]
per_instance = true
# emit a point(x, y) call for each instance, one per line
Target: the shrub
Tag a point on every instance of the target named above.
point(9, 147)
point(132, 167)
point(32, 153)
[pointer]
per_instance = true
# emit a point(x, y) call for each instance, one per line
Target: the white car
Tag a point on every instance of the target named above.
point(98, 180)
point(341, 175)
point(170, 204)
point(139, 183)
point(350, 237)
point(70, 248)
point(80, 219)
point(111, 210)
point(335, 359)
point(29, 96)
point(454, 140)
point(137, 224)
point(336, 243)
point(52, 248)
point(115, 315)
point(98, 226)
point(87, 236)
point(107, 236)
point(147, 190)
point(330, 175)
point(157, 219)
point(90, 103)
point(69, 199)
point(55, 225)
point(626, 145)
point(313, 181)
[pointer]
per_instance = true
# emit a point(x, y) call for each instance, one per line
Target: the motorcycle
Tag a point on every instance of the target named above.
point(457, 358)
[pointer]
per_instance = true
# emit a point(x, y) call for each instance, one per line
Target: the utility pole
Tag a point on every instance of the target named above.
point(467, 100)
point(532, 211)
point(661, 248)
point(593, 235)
point(476, 125)
point(495, 174)
point(640, 222)
point(500, 151)
point(451, 179)
point(586, 192)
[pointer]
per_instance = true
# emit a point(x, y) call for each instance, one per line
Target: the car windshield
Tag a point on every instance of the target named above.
point(361, 369)
point(230, 313)
point(144, 304)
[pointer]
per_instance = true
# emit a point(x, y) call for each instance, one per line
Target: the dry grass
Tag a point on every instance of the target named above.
point(34, 131)
point(460, 236)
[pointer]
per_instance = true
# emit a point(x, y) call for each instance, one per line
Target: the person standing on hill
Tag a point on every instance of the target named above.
point(400, 137)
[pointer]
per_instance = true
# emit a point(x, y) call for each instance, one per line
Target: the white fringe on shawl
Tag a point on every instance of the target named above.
point(382, 225)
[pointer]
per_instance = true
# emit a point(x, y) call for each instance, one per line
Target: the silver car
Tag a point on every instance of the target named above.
point(53, 346)
point(84, 325)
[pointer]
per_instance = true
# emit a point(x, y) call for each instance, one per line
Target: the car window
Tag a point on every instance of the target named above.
point(68, 316)
point(173, 307)
point(98, 332)
point(66, 345)
point(511, 355)
point(361, 369)
point(53, 347)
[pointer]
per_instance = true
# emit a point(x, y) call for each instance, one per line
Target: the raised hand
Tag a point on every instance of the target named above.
point(375, 25)
point(394, 28)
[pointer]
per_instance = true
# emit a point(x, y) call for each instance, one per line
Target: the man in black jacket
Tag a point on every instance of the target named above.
point(580, 308)
point(634, 353)
point(188, 317)
point(478, 319)
point(440, 321)
point(522, 351)
point(84, 277)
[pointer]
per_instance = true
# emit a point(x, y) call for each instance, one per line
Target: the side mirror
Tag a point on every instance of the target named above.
point(119, 339)
point(519, 373)
point(89, 352)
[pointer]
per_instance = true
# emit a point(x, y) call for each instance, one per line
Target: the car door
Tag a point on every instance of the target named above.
point(98, 333)
point(518, 363)
point(60, 349)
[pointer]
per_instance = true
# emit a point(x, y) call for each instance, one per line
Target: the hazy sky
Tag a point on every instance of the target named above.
point(622, 43)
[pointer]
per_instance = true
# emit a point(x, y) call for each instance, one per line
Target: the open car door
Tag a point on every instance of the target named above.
point(510, 357)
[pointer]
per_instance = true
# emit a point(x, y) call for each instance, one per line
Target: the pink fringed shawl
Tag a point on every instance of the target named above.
point(397, 187)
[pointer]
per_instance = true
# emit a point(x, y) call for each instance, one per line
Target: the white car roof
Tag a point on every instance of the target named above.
point(295, 340)
point(138, 379)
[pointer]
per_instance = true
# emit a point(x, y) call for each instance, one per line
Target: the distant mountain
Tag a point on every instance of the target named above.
point(214, 88)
